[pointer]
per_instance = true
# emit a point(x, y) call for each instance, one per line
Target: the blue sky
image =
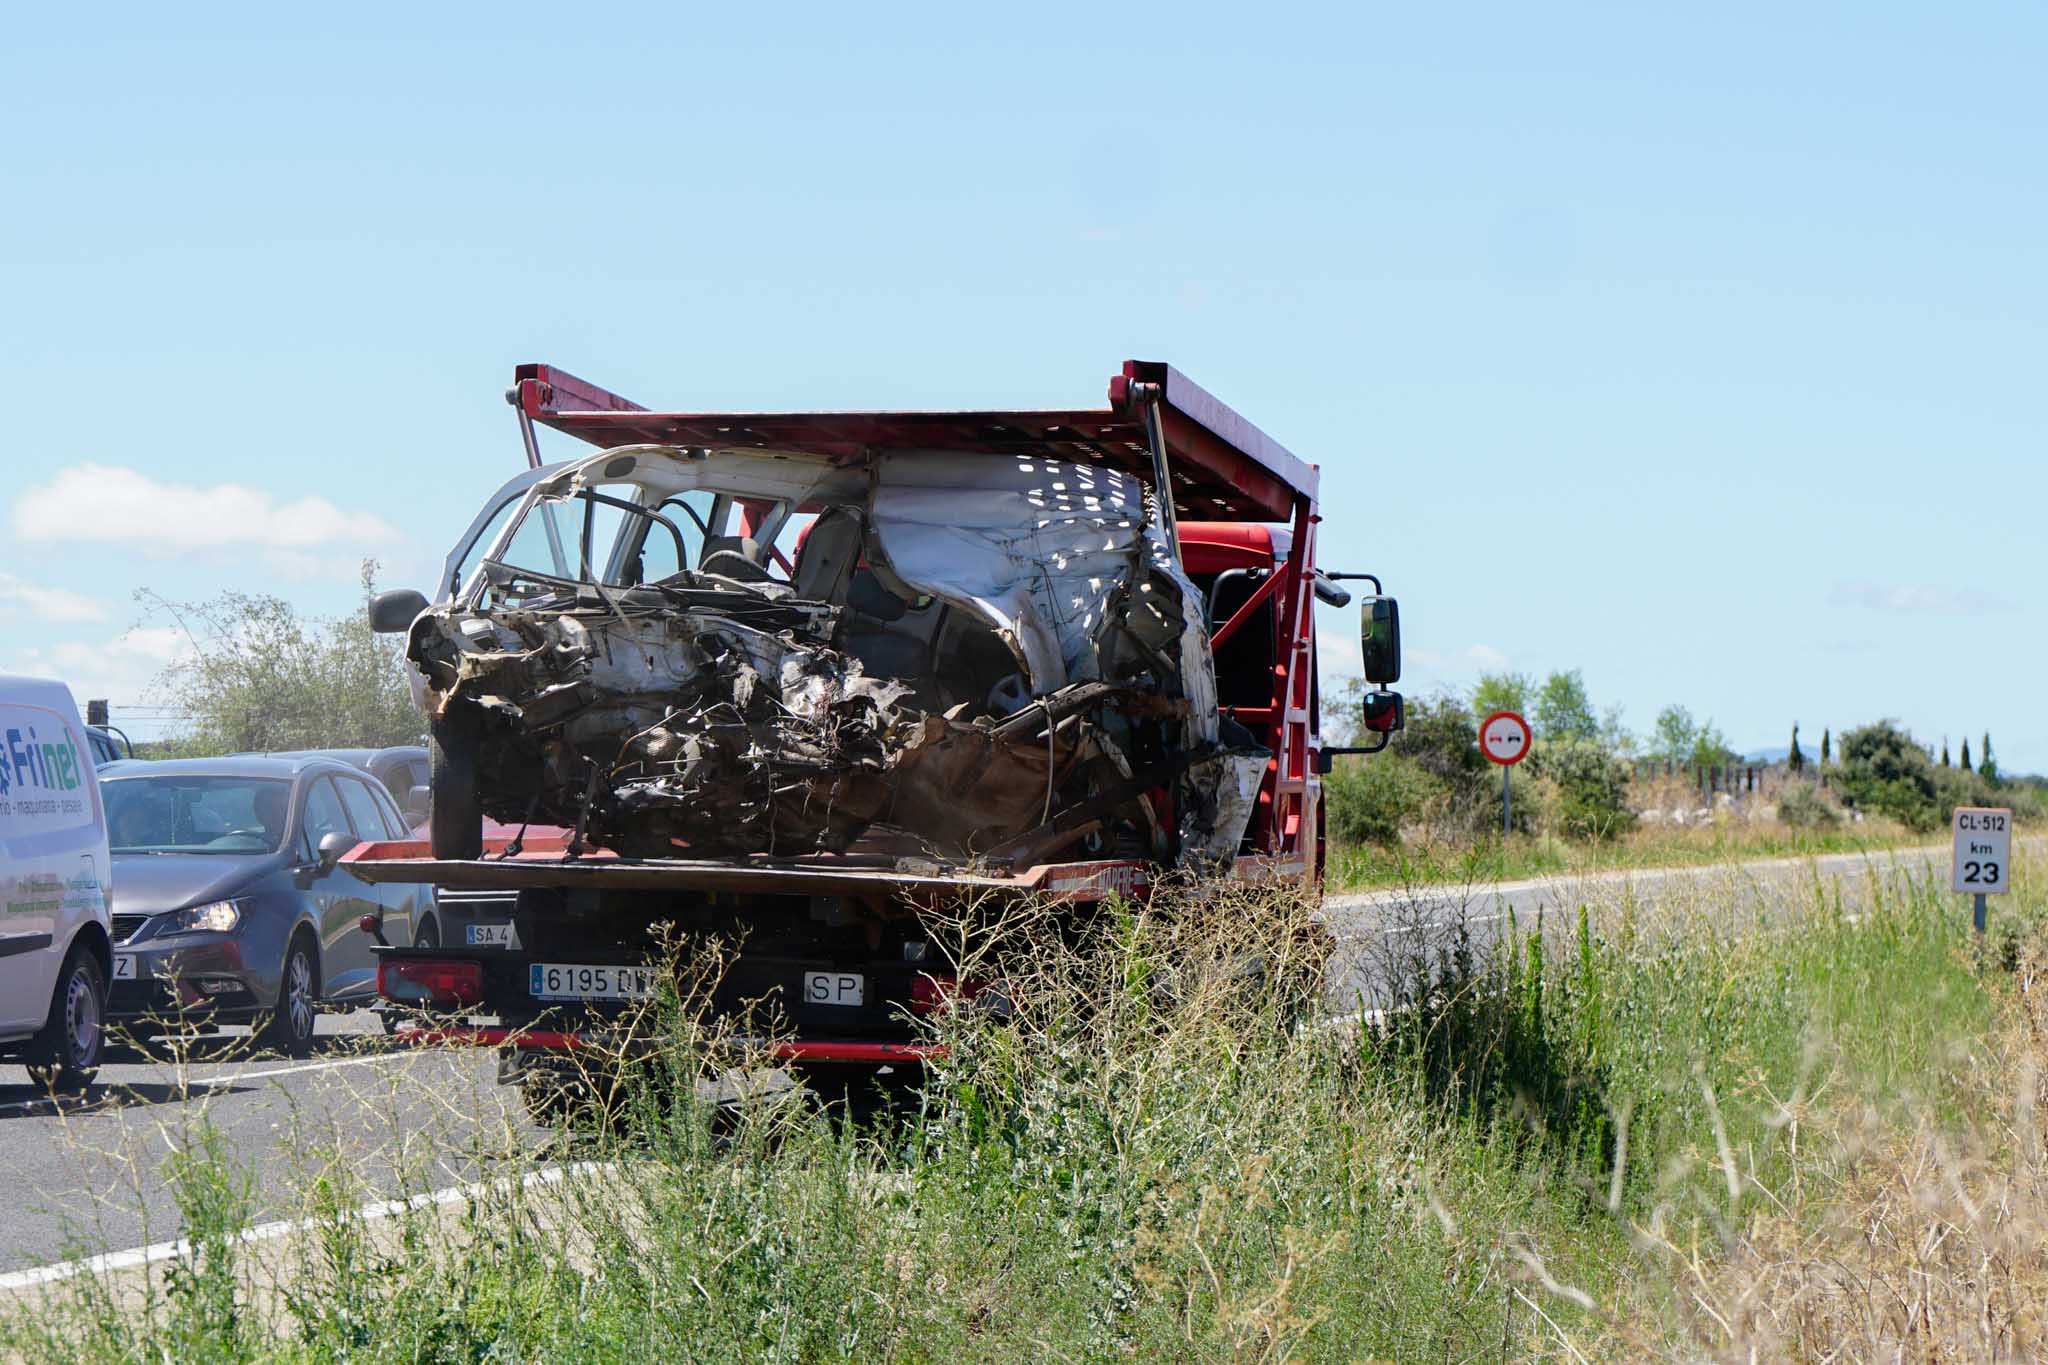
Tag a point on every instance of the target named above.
point(1699, 350)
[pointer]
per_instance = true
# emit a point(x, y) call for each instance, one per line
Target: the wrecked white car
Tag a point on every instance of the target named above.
point(962, 658)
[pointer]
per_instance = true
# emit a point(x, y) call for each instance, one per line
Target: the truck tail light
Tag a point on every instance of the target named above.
point(431, 983)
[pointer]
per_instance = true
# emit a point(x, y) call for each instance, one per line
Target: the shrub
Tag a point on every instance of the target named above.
point(1441, 739)
point(1803, 807)
point(1884, 772)
point(1368, 801)
point(1591, 786)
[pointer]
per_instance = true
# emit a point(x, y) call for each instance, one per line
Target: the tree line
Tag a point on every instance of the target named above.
point(1580, 769)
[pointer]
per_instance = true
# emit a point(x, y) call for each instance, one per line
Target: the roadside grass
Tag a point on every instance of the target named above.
point(1439, 861)
point(1808, 1132)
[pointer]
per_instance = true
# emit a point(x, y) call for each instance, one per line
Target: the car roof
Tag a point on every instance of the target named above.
point(360, 758)
point(225, 765)
point(34, 691)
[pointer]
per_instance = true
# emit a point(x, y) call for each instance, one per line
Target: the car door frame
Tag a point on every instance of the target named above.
point(402, 902)
point(339, 900)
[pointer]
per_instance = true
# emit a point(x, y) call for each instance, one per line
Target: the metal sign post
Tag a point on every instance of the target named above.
point(1982, 860)
point(1504, 737)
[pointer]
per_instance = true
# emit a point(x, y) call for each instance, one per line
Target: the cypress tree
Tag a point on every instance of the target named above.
point(1966, 751)
point(1795, 759)
point(1826, 749)
point(1944, 751)
point(1988, 768)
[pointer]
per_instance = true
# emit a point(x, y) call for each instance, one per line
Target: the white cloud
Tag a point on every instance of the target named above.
point(60, 606)
point(1928, 598)
point(1485, 656)
point(302, 567)
point(123, 668)
point(152, 645)
point(112, 505)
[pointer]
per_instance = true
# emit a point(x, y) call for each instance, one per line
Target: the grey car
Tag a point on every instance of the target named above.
point(402, 769)
point(229, 902)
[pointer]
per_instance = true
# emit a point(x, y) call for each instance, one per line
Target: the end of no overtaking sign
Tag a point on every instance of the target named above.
point(1504, 738)
point(1983, 850)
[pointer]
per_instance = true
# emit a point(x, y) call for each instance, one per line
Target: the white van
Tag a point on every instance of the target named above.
point(55, 956)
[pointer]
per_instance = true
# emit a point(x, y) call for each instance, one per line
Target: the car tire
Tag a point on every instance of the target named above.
point(455, 818)
point(287, 1027)
point(65, 1056)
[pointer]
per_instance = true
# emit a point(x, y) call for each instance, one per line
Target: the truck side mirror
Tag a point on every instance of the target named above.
point(418, 802)
point(1380, 639)
point(1382, 712)
point(392, 611)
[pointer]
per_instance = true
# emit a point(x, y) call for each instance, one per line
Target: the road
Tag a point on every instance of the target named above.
point(92, 1176)
point(1376, 929)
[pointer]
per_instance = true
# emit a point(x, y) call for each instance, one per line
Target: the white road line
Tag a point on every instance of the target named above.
point(371, 1060)
point(264, 1232)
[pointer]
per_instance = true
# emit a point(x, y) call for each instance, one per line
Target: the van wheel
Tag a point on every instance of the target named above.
point(288, 1027)
point(455, 818)
point(65, 1056)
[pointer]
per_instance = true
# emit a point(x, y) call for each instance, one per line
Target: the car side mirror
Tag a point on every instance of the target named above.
point(332, 845)
point(392, 611)
point(418, 802)
point(1379, 641)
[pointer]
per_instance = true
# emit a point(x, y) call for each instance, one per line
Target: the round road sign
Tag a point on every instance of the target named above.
point(1504, 737)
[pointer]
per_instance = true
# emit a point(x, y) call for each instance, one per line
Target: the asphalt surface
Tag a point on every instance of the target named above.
point(80, 1177)
point(1380, 932)
point(92, 1176)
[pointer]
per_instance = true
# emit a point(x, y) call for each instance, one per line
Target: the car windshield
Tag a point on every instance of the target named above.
point(606, 534)
point(164, 814)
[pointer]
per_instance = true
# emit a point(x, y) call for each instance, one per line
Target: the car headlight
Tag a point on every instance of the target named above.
point(218, 917)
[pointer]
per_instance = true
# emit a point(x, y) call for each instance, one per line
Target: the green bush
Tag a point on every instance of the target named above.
point(1803, 807)
point(1591, 787)
point(1369, 800)
point(1884, 772)
point(1441, 740)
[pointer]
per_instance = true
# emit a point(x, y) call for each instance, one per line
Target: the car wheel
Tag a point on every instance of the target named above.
point(455, 819)
point(65, 1056)
point(288, 1027)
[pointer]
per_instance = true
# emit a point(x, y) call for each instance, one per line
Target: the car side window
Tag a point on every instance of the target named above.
point(658, 549)
point(362, 808)
point(324, 813)
point(387, 811)
point(482, 542)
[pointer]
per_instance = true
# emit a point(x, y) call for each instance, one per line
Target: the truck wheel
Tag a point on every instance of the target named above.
point(65, 1056)
point(288, 1027)
point(455, 818)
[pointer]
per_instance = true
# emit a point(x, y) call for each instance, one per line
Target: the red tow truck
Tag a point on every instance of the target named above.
point(799, 679)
